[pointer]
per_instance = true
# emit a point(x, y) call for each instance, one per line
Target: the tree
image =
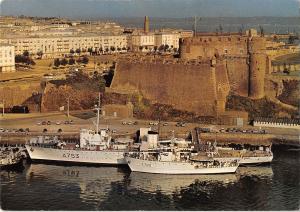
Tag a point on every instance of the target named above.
point(79, 60)
point(102, 84)
point(78, 51)
point(24, 59)
point(161, 47)
point(112, 48)
point(166, 47)
point(72, 51)
point(119, 49)
point(71, 61)
point(40, 54)
point(141, 48)
point(64, 62)
point(292, 39)
point(85, 60)
point(106, 49)
point(155, 48)
point(90, 50)
point(124, 48)
point(26, 53)
point(56, 62)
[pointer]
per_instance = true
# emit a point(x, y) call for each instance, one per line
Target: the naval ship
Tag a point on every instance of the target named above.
point(95, 147)
point(176, 156)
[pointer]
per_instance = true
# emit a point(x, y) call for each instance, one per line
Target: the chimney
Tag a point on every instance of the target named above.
point(146, 25)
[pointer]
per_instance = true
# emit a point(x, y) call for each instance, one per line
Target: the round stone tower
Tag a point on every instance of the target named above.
point(257, 66)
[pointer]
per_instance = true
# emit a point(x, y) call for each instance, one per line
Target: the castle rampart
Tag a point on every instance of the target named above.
point(197, 86)
point(246, 59)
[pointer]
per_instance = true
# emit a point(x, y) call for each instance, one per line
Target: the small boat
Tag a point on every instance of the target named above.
point(10, 158)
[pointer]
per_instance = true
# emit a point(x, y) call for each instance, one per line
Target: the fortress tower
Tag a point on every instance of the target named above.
point(257, 66)
point(245, 54)
point(146, 24)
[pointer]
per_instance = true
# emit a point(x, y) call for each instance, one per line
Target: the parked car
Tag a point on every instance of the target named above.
point(39, 123)
point(165, 124)
point(180, 124)
point(44, 123)
point(58, 123)
point(124, 122)
point(135, 123)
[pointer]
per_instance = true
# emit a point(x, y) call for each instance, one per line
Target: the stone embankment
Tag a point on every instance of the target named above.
point(221, 138)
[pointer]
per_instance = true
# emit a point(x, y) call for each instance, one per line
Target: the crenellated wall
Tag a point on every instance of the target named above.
point(246, 59)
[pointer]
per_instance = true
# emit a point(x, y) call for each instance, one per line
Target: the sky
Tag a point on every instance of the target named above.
point(153, 8)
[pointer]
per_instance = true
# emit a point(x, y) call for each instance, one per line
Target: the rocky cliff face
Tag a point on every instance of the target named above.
point(56, 96)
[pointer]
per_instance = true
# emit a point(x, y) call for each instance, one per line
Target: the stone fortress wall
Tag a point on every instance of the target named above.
point(209, 67)
point(245, 55)
point(196, 86)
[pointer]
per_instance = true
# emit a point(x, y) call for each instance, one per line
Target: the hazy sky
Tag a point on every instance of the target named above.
point(153, 8)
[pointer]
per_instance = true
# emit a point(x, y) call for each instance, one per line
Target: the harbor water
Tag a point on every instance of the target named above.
point(40, 186)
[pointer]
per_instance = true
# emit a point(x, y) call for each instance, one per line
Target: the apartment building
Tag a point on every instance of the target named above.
point(7, 58)
point(147, 41)
point(143, 41)
point(54, 46)
point(170, 39)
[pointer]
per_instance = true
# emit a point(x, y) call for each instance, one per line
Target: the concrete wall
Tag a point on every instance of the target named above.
point(121, 111)
point(277, 125)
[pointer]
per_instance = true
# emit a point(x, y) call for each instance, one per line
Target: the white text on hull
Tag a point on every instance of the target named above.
point(79, 156)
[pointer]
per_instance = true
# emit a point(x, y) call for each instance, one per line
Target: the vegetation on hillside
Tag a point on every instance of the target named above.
point(24, 58)
point(81, 81)
point(291, 93)
point(256, 108)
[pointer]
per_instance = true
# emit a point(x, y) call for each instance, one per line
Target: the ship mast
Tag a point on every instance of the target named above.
point(98, 115)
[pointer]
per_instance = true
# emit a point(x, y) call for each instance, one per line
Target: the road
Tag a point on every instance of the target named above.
point(17, 121)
